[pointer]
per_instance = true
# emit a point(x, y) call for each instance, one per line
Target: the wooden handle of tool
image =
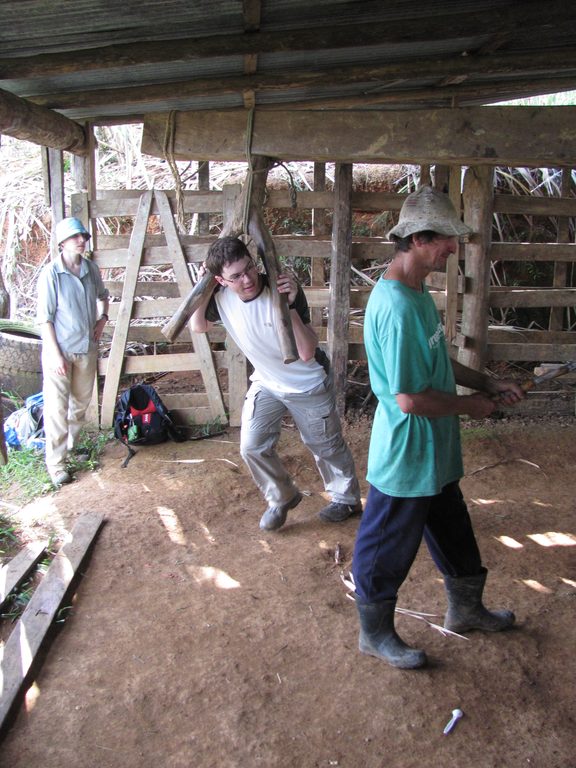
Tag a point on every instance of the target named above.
point(204, 287)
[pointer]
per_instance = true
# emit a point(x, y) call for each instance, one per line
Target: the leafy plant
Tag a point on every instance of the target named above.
point(8, 535)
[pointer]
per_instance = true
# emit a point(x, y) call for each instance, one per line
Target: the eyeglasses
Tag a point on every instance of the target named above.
point(250, 267)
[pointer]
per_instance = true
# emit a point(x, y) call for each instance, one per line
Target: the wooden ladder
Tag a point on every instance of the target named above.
point(202, 354)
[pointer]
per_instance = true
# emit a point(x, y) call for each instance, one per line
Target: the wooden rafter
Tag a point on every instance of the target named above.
point(458, 76)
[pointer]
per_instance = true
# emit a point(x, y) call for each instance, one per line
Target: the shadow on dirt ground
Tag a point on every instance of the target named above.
point(195, 639)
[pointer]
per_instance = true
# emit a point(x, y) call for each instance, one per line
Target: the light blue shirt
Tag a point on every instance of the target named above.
point(69, 303)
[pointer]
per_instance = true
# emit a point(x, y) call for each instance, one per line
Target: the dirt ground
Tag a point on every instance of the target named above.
point(197, 640)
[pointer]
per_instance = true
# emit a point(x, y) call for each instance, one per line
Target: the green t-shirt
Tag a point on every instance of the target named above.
point(406, 348)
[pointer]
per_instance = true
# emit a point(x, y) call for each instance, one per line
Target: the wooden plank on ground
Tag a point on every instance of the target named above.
point(31, 629)
point(116, 359)
point(13, 573)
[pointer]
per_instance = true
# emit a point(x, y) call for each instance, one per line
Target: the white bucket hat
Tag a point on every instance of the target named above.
point(428, 209)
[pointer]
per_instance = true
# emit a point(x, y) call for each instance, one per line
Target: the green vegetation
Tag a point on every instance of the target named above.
point(25, 477)
point(8, 535)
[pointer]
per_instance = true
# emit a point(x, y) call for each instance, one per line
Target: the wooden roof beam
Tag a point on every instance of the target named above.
point(23, 120)
point(516, 136)
point(370, 78)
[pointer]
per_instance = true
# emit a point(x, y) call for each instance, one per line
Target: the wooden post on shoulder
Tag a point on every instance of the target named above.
point(257, 229)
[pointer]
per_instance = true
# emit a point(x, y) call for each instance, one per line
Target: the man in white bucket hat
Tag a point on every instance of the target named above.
point(415, 458)
point(71, 313)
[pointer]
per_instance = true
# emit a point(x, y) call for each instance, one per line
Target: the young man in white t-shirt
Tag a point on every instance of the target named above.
point(242, 301)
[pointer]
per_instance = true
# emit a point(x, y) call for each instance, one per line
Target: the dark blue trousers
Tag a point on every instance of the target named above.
point(390, 532)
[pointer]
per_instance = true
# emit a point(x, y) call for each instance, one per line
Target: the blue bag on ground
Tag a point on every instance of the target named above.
point(24, 428)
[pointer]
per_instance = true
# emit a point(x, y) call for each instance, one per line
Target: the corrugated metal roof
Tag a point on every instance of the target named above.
point(102, 60)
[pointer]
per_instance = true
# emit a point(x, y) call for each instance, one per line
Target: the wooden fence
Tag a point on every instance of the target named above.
point(151, 265)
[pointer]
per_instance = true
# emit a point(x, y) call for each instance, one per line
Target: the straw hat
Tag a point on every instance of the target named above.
point(428, 209)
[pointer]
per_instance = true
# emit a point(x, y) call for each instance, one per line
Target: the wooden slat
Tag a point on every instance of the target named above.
point(201, 343)
point(125, 203)
point(29, 633)
point(532, 297)
point(124, 311)
point(367, 249)
point(146, 289)
point(134, 364)
point(533, 252)
point(505, 335)
point(13, 573)
point(535, 206)
point(154, 256)
point(554, 353)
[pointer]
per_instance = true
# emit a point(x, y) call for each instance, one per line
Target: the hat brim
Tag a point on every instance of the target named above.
point(455, 228)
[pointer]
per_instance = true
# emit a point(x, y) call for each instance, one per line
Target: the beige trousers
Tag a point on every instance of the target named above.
point(66, 399)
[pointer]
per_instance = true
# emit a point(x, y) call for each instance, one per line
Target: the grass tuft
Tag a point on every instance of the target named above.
point(24, 477)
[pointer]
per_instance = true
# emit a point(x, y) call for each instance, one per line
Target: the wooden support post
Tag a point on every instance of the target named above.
point(441, 177)
point(451, 313)
point(425, 176)
point(53, 164)
point(83, 169)
point(556, 322)
point(478, 209)
point(204, 184)
point(319, 228)
point(339, 310)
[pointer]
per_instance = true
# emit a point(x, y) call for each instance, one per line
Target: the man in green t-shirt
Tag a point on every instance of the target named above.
point(415, 457)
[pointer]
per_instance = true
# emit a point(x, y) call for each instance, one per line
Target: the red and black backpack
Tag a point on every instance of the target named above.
point(141, 418)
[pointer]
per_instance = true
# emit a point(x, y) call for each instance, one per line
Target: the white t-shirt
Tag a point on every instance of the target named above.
point(251, 325)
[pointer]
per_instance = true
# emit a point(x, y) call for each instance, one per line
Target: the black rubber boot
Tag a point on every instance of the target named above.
point(378, 636)
point(465, 608)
